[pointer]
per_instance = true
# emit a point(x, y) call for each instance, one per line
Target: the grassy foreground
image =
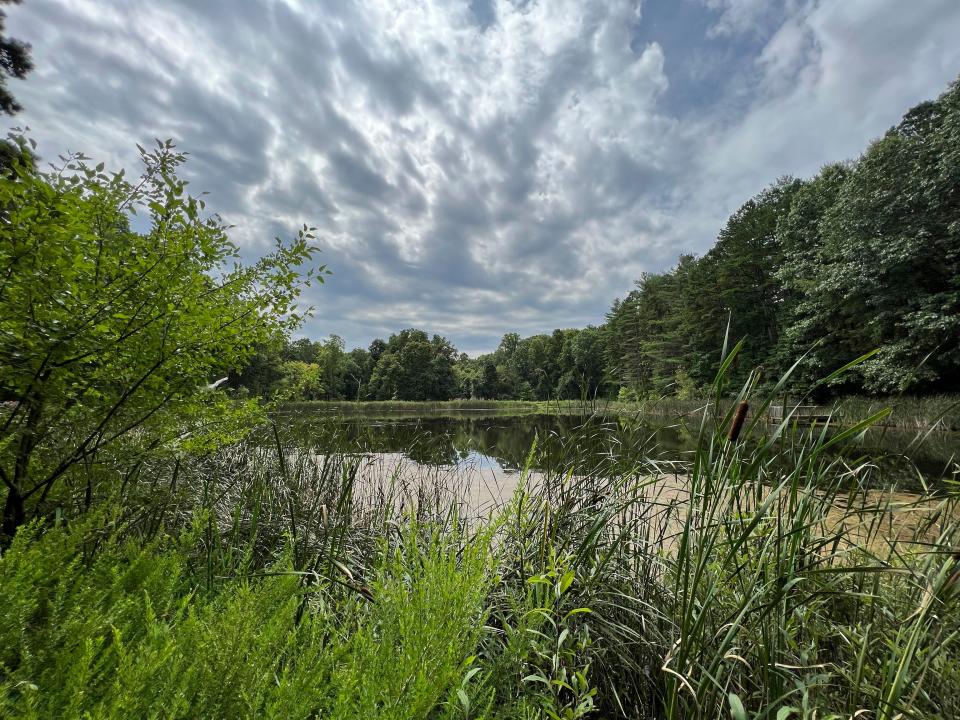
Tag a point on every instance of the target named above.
point(266, 582)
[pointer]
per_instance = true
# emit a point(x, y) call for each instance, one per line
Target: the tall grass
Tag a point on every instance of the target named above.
point(765, 577)
point(936, 412)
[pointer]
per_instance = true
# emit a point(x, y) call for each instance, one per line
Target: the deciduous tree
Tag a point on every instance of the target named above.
point(108, 334)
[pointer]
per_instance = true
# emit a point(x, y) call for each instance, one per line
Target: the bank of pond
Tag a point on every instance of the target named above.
point(939, 413)
point(621, 567)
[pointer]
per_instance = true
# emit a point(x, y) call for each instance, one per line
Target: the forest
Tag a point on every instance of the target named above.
point(864, 257)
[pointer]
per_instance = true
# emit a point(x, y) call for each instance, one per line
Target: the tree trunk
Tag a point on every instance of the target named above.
point(13, 517)
point(14, 514)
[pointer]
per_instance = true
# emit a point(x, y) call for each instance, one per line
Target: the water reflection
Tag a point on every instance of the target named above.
point(503, 443)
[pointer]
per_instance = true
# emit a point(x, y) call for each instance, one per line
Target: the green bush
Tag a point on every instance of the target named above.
point(131, 633)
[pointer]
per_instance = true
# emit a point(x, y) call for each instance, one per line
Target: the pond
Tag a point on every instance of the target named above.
point(499, 445)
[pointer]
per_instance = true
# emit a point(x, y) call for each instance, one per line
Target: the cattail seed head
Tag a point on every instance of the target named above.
point(738, 419)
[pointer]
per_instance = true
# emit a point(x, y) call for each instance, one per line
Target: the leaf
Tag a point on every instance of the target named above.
point(536, 678)
point(464, 700)
point(737, 711)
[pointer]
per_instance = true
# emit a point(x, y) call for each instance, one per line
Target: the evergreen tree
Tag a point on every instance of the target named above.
point(15, 62)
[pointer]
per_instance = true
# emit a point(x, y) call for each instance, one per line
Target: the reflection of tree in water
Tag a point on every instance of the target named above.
point(422, 440)
point(565, 441)
point(572, 442)
point(562, 441)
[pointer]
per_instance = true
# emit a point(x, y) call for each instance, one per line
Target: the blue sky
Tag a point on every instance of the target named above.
point(477, 167)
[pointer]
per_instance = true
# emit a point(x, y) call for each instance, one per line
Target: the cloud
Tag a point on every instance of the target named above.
point(480, 166)
point(833, 77)
point(740, 16)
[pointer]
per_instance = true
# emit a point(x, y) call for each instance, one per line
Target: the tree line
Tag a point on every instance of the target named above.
point(412, 365)
point(863, 257)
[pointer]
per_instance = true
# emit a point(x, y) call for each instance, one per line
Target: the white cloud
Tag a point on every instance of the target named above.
point(476, 177)
point(854, 68)
point(740, 16)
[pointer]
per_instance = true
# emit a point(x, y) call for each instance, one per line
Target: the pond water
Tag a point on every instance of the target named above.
point(498, 446)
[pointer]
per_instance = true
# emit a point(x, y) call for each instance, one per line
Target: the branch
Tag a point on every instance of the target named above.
point(81, 450)
point(6, 479)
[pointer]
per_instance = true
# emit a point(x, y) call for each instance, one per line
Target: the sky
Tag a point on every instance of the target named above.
point(477, 167)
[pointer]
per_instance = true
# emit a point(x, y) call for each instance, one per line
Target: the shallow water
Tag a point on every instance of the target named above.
point(474, 462)
point(498, 446)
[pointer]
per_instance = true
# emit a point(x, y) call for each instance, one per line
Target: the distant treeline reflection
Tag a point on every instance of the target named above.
point(585, 444)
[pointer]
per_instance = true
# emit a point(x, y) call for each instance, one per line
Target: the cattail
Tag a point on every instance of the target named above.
point(737, 425)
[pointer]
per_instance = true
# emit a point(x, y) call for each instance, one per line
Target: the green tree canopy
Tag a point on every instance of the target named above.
point(109, 334)
point(413, 366)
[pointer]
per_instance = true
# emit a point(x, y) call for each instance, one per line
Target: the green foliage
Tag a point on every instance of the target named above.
point(300, 380)
point(647, 335)
point(891, 244)
point(415, 646)
point(15, 62)
point(569, 364)
point(686, 386)
point(129, 635)
point(548, 646)
point(865, 256)
point(807, 307)
point(411, 366)
point(109, 335)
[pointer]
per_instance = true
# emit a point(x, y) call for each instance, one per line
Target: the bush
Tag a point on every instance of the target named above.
point(109, 336)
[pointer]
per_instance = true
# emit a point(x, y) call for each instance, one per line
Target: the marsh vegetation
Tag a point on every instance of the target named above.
point(280, 578)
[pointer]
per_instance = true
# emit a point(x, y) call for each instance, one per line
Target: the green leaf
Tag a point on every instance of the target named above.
point(737, 711)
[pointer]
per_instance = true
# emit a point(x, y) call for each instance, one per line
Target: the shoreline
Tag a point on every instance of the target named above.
point(906, 414)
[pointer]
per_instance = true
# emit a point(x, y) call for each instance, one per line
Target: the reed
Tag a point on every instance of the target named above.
point(767, 576)
point(415, 408)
